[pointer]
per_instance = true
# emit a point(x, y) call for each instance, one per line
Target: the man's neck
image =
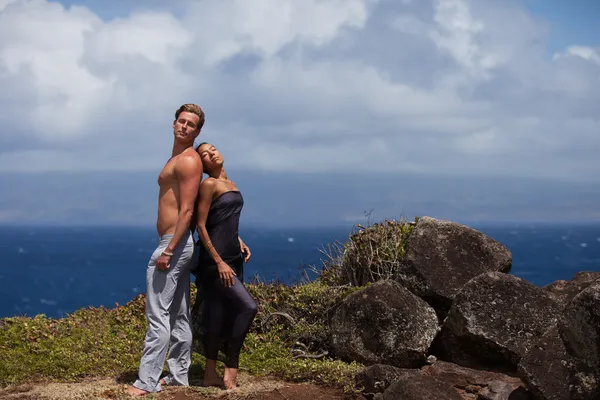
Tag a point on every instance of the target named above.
point(179, 148)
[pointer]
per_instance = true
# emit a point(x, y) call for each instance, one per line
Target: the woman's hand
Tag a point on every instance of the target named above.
point(245, 251)
point(227, 274)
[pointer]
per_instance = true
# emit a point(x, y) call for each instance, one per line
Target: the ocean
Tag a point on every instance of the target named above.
point(57, 270)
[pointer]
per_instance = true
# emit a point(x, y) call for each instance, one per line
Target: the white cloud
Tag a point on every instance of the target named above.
point(358, 84)
point(587, 53)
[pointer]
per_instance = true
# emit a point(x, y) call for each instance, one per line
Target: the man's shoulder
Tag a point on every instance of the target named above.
point(189, 159)
point(189, 155)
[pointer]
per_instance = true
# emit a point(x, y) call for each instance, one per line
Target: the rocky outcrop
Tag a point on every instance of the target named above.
point(563, 291)
point(565, 362)
point(421, 387)
point(479, 383)
point(383, 323)
point(545, 367)
point(579, 329)
point(378, 377)
point(443, 256)
point(500, 337)
point(495, 320)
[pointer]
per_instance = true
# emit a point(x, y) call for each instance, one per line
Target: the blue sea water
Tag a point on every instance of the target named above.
point(57, 270)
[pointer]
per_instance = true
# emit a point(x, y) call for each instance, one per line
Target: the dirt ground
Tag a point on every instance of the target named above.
point(249, 388)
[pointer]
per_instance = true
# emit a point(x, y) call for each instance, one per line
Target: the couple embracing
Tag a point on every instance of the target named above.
point(211, 206)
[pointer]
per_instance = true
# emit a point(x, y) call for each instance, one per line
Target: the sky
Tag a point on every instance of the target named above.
point(377, 89)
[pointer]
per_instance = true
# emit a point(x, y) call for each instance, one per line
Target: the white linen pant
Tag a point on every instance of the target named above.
point(169, 318)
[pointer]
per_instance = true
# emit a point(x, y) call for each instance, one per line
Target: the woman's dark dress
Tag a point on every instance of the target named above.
point(228, 311)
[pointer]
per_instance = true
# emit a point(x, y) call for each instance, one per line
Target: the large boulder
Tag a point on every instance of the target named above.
point(564, 291)
point(421, 387)
point(383, 324)
point(478, 383)
point(378, 377)
point(545, 367)
point(564, 364)
point(580, 330)
point(494, 321)
point(442, 256)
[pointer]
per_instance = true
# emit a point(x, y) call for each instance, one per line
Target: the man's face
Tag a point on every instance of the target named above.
point(185, 128)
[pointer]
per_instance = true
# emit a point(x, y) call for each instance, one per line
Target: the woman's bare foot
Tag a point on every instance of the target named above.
point(230, 377)
point(211, 378)
point(133, 391)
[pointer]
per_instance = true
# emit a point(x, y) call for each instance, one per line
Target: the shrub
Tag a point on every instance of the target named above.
point(371, 253)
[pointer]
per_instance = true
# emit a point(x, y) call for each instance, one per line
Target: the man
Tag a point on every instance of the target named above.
point(168, 272)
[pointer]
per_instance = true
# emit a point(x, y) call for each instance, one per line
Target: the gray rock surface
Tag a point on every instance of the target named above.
point(494, 321)
point(472, 383)
point(421, 387)
point(564, 291)
point(383, 324)
point(545, 367)
point(377, 378)
point(580, 331)
point(443, 256)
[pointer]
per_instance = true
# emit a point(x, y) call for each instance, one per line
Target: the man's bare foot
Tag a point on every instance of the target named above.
point(230, 377)
point(133, 391)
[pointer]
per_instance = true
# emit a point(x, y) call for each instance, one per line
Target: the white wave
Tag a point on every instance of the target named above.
point(291, 239)
point(48, 302)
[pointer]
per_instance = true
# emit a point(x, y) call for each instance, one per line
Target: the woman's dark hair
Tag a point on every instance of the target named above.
point(197, 147)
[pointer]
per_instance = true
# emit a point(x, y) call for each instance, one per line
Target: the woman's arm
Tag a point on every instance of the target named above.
point(245, 249)
point(207, 191)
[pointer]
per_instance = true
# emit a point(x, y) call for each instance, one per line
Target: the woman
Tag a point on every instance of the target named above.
point(228, 307)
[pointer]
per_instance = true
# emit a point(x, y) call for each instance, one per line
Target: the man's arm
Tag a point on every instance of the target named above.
point(188, 170)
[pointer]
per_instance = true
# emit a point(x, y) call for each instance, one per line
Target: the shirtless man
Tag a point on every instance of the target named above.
point(168, 272)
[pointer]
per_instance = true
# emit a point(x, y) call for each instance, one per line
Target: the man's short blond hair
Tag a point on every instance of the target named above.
point(194, 109)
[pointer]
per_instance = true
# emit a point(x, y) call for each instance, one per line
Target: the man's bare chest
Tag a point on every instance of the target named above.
point(167, 175)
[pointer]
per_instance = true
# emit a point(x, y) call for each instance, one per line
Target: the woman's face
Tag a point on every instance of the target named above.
point(210, 156)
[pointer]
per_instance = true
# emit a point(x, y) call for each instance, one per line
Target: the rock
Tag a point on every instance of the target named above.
point(443, 256)
point(563, 291)
point(494, 321)
point(580, 331)
point(377, 378)
point(496, 390)
point(545, 367)
point(419, 388)
point(475, 383)
point(383, 324)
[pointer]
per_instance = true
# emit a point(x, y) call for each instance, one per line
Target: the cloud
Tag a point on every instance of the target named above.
point(329, 85)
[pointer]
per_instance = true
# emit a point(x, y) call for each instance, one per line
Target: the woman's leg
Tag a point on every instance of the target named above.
point(242, 308)
point(213, 316)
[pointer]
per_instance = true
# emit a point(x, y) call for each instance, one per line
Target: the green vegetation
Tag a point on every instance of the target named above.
point(289, 338)
point(371, 254)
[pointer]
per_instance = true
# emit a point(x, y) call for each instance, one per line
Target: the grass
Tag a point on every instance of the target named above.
point(100, 342)
point(291, 325)
point(371, 254)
